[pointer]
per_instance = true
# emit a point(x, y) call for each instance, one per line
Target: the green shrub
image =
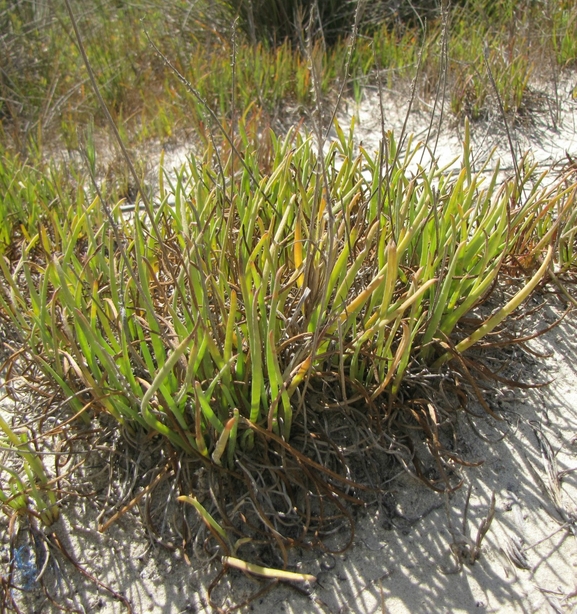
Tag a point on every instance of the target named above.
point(209, 324)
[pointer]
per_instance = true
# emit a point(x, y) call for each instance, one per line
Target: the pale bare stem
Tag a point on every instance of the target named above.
point(145, 199)
point(384, 144)
point(214, 117)
point(315, 58)
point(393, 164)
point(125, 154)
point(441, 92)
point(251, 28)
point(556, 112)
point(562, 287)
point(120, 245)
point(563, 527)
point(361, 4)
point(267, 572)
point(463, 548)
point(417, 14)
point(518, 178)
point(233, 106)
point(483, 530)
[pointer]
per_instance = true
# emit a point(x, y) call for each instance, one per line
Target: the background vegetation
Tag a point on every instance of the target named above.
point(45, 96)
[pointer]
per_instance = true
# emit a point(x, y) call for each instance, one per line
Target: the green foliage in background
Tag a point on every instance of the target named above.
point(44, 91)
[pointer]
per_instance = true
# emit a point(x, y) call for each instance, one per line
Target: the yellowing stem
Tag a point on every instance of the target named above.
point(267, 572)
point(498, 317)
point(298, 251)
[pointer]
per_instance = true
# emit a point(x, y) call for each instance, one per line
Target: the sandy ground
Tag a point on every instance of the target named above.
point(415, 551)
